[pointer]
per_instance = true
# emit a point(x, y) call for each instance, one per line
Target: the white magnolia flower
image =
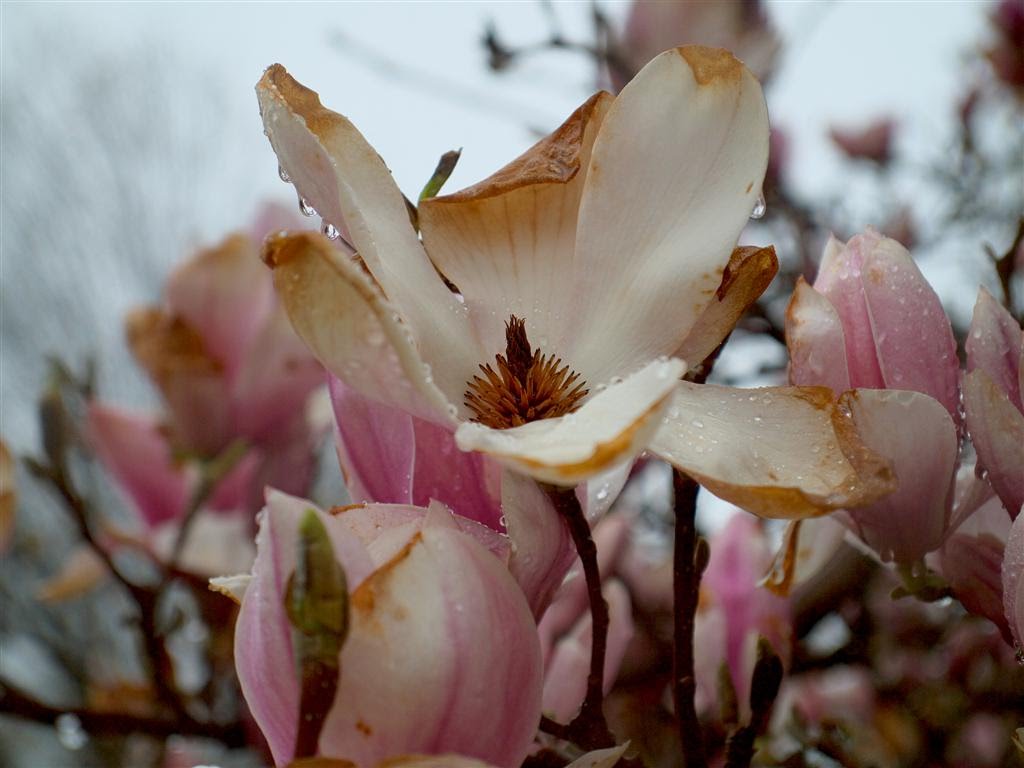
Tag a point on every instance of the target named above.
point(585, 272)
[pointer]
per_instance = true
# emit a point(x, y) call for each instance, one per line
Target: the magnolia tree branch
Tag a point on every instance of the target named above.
point(690, 558)
point(589, 729)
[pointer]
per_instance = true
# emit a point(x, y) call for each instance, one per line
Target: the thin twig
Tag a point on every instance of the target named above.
point(689, 560)
point(589, 729)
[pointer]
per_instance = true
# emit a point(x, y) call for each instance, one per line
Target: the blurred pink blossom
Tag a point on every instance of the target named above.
point(735, 610)
point(231, 372)
point(872, 142)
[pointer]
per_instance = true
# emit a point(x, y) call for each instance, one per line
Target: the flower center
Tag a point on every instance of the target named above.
point(527, 386)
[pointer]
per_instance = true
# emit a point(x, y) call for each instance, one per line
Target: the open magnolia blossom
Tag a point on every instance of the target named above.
point(873, 328)
point(233, 375)
point(585, 272)
point(441, 653)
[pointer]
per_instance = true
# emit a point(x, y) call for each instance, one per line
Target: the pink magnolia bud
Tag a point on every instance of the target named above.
point(872, 320)
point(992, 398)
point(872, 323)
point(420, 668)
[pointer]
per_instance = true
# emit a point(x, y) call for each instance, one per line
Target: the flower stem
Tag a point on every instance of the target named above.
point(589, 729)
point(691, 553)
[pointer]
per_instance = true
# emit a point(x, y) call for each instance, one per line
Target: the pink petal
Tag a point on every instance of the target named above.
point(995, 344)
point(914, 520)
point(839, 281)
point(389, 456)
point(136, 453)
point(916, 348)
point(469, 483)
point(275, 380)
point(542, 550)
point(376, 446)
point(235, 490)
point(997, 431)
point(971, 561)
point(674, 174)
point(565, 678)
point(224, 294)
point(816, 341)
point(1013, 584)
point(422, 672)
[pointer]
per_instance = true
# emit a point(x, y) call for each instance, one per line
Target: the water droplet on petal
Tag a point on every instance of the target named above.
point(698, 423)
point(283, 174)
point(330, 231)
point(760, 207)
point(305, 208)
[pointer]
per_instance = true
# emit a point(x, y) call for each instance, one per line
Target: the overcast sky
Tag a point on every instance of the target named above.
point(410, 75)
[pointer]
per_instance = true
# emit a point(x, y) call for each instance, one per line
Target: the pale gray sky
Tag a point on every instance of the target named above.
point(75, 258)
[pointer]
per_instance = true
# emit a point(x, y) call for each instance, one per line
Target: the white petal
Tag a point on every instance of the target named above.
point(335, 168)
point(786, 452)
point(674, 175)
point(351, 328)
point(507, 242)
point(609, 428)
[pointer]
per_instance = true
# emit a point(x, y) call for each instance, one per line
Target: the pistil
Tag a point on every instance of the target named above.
point(527, 385)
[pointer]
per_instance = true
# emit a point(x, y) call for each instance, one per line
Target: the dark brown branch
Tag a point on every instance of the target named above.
point(19, 704)
point(690, 558)
point(589, 729)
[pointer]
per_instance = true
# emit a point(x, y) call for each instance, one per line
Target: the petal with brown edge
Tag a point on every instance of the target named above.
point(779, 452)
point(816, 341)
point(334, 167)
point(340, 313)
point(224, 293)
point(190, 380)
point(748, 273)
point(610, 427)
point(674, 174)
point(507, 242)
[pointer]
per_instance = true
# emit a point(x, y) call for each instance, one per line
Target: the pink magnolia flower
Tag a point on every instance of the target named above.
point(654, 26)
point(872, 323)
point(992, 398)
point(872, 142)
point(441, 654)
point(230, 369)
point(608, 245)
point(734, 610)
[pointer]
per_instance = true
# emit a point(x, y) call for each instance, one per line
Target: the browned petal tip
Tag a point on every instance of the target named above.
point(164, 344)
point(277, 85)
point(759, 265)
point(711, 65)
point(555, 159)
point(282, 247)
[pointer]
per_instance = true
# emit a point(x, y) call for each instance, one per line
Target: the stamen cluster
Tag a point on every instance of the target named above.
point(527, 385)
